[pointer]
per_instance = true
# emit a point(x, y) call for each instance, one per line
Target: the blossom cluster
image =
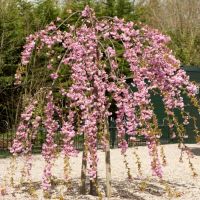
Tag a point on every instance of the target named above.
point(49, 147)
point(22, 143)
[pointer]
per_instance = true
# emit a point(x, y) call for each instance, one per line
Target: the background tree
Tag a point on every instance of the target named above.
point(180, 20)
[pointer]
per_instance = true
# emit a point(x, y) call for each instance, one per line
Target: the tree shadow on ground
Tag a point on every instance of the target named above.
point(134, 189)
point(129, 189)
point(196, 151)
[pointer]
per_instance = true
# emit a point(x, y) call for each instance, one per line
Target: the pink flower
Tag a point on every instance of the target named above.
point(111, 52)
point(49, 66)
point(54, 76)
point(87, 12)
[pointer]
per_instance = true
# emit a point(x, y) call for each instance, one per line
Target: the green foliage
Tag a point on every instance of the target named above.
point(123, 8)
point(185, 49)
point(18, 19)
point(45, 12)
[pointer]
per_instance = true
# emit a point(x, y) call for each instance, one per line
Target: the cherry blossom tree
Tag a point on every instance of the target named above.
point(100, 55)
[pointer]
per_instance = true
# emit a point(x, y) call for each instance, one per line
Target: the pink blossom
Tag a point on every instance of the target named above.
point(54, 76)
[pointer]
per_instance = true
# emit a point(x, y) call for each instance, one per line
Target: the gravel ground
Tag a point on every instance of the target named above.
point(178, 181)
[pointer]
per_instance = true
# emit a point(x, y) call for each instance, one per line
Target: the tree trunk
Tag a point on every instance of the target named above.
point(93, 187)
point(83, 171)
point(107, 159)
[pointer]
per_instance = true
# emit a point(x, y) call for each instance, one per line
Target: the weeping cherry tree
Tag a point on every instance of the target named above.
point(100, 54)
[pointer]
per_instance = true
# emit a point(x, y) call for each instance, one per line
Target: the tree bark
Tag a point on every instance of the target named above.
point(107, 160)
point(83, 171)
point(93, 187)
